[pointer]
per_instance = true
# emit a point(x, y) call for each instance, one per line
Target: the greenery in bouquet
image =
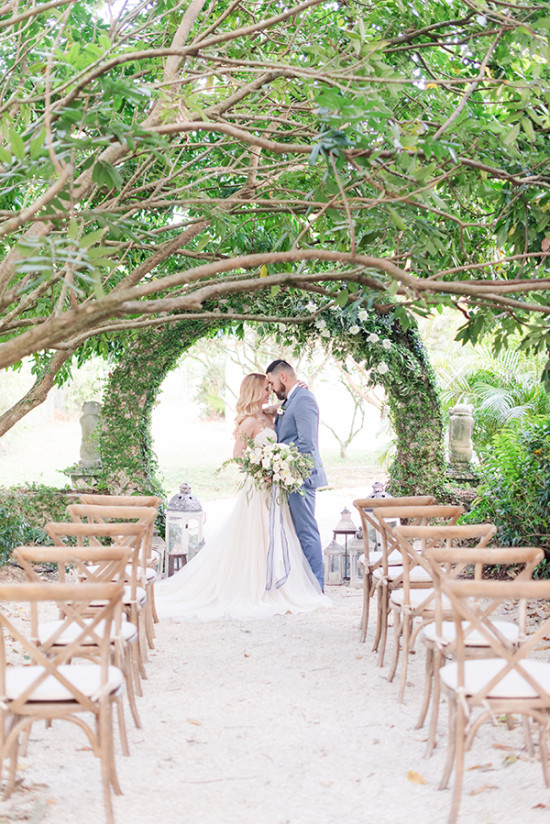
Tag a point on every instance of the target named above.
point(278, 464)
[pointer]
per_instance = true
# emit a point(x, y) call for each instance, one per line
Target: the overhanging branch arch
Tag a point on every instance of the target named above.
point(396, 357)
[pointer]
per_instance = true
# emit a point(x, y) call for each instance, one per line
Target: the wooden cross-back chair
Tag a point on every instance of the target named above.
point(372, 560)
point(511, 681)
point(439, 637)
point(53, 686)
point(145, 573)
point(96, 565)
point(415, 598)
point(156, 558)
point(152, 501)
point(127, 535)
point(388, 576)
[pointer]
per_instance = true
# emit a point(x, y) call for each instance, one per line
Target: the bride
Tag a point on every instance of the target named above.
point(227, 578)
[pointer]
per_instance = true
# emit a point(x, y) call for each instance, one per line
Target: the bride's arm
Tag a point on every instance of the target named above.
point(247, 429)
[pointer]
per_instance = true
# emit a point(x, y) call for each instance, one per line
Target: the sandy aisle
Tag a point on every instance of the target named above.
point(280, 721)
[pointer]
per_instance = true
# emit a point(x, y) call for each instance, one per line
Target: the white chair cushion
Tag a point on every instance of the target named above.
point(148, 572)
point(418, 575)
point(478, 671)
point(46, 629)
point(86, 677)
point(141, 595)
point(417, 597)
point(509, 630)
point(394, 558)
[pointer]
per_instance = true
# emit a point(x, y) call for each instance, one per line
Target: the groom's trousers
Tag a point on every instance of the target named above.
point(302, 508)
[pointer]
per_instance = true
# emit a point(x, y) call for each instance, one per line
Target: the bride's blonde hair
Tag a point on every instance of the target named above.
point(250, 395)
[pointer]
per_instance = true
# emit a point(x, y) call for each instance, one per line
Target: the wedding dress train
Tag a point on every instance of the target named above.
point(227, 578)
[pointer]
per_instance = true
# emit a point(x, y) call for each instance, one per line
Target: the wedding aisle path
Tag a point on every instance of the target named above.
point(279, 721)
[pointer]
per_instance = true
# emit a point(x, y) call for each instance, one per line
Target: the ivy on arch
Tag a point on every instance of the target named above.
point(382, 341)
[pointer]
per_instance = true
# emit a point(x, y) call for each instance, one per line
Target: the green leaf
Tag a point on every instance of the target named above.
point(37, 144)
point(527, 127)
point(511, 136)
point(5, 156)
point(17, 144)
point(72, 231)
point(91, 238)
point(397, 219)
point(104, 174)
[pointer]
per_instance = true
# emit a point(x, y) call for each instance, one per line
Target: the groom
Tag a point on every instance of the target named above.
point(297, 422)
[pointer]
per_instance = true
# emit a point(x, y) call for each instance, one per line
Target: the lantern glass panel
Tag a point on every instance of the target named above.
point(175, 543)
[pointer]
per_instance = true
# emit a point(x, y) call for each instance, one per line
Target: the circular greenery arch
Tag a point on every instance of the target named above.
point(394, 353)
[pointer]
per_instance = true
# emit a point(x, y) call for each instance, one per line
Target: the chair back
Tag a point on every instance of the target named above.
point(412, 542)
point(89, 565)
point(121, 500)
point(142, 516)
point(367, 506)
point(421, 514)
point(469, 563)
point(508, 676)
point(47, 678)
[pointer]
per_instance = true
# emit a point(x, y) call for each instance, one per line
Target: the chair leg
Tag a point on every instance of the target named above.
point(135, 665)
point(436, 699)
point(543, 751)
point(24, 745)
point(129, 676)
point(398, 622)
point(379, 608)
point(122, 726)
point(367, 583)
point(407, 631)
point(105, 748)
point(14, 755)
point(459, 734)
point(153, 604)
point(527, 736)
point(428, 682)
point(451, 743)
point(383, 625)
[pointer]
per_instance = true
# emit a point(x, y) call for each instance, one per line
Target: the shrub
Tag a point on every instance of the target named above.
point(515, 490)
point(23, 513)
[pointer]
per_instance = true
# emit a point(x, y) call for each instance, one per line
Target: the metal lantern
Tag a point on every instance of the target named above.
point(374, 538)
point(184, 528)
point(347, 528)
point(333, 556)
point(355, 551)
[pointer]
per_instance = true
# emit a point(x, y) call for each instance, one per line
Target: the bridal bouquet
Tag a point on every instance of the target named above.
point(275, 464)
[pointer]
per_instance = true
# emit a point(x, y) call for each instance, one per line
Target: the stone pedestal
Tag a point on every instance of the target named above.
point(461, 427)
point(86, 471)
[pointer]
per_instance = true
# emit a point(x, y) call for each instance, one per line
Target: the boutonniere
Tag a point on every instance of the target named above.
point(280, 411)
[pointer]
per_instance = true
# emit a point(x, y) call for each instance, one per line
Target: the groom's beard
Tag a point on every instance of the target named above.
point(281, 395)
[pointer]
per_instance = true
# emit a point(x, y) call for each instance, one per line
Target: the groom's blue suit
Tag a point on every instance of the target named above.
point(298, 423)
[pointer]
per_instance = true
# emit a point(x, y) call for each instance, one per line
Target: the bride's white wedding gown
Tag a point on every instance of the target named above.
point(227, 578)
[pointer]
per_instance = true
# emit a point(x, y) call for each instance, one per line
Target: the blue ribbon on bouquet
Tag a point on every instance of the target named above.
point(271, 547)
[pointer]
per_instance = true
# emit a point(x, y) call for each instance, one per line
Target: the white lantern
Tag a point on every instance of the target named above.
point(333, 556)
point(184, 528)
point(347, 528)
point(356, 549)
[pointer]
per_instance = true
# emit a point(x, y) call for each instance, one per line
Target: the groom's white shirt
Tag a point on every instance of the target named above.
point(290, 391)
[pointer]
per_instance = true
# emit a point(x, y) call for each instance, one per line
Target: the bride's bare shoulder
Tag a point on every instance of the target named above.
point(248, 427)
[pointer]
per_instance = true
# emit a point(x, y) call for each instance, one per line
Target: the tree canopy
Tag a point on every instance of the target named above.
point(162, 160)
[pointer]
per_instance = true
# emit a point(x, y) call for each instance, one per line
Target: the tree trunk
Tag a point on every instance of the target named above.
point(37, 394)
